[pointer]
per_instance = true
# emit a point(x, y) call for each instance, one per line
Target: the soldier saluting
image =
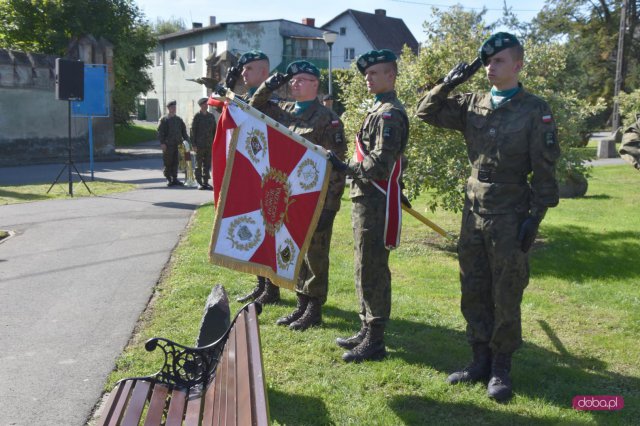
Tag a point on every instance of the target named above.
point(510, 135)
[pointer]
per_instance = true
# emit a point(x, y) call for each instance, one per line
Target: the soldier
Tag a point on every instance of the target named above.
point(509, 134)
point(253, 67)
point(380, 144)
point(171, 132)
point(630, 147)
point(319, 125)
point(203, 129)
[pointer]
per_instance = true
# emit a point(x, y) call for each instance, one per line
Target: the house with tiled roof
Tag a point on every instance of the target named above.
point(359, 32)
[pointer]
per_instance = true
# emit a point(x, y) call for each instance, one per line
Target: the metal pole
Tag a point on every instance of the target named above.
point(330, 88)
point(615, 120)
point(91, 145)
point(69, 152)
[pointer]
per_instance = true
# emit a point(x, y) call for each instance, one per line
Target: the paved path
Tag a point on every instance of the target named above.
point(73, 282)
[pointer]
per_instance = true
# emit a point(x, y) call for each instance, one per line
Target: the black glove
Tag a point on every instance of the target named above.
point(277, 80)
point(461, 73)
point(337, 163)
point(404, 200)
point(233, 74)
point(528, 232)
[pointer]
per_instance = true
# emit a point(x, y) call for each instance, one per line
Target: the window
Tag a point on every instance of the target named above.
point(173, 55)
point(213, 48)
point(349, 54)
point(343, 30)
point(192, 54)
point(158, 59)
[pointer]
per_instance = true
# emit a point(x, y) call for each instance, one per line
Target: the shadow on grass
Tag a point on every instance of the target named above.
point(289, 409)
point(416, 410)
point(577, 254)
point(22, 196)
point(538, 373)
point(596, 197)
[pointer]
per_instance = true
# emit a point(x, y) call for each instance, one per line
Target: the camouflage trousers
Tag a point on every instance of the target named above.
point(371, 258)
point(493, 274)
point(171, 161)
point(203, 164)
point(313, 279)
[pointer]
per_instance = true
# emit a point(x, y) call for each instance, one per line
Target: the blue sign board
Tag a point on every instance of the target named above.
point(96, 99)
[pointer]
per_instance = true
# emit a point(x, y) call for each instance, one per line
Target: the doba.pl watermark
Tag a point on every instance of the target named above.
point(598, 402)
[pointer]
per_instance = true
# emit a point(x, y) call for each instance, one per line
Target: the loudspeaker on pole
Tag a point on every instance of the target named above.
point(69, 80)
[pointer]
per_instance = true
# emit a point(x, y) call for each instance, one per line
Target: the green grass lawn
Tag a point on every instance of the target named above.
point(133, 134)
point(25, 193)
point(581, 320)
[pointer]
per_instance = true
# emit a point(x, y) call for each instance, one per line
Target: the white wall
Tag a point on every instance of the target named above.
point(354, 38)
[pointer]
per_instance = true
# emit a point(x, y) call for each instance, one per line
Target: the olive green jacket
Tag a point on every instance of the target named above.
point(512, 148)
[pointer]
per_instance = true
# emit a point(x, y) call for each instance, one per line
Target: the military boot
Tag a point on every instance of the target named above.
point(270, 295)
point(478, 369)
point(353, 341)
point(303, 300)
point(257, 291)
point(312, 316)
point(371, 348)
point(499, 387)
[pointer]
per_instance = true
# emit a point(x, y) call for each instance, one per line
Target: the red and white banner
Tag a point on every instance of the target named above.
point(390, 188)
point(269, 188)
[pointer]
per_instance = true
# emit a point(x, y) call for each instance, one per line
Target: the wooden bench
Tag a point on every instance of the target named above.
point(219, 384)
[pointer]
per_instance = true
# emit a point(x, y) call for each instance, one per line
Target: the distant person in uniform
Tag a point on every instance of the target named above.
point(509, 134)
point(319, 125)
point(171, 132)
point(203, 129)
point(630, 146)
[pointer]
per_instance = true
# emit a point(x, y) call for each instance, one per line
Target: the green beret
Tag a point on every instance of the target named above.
point(303, 67)
point(171, 103)
point(252, 55)
point(202, 101)
point(374, 57)
point(496, 43)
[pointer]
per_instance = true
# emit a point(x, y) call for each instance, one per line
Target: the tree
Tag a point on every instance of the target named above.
point(168, 26)
point(47, 26)
point(590, 31)
point(437, 157)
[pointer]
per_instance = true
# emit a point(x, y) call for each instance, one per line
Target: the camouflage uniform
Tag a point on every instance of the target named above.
point(630, 147)
point(384, 135)
point(203, 129)
point(321, 126)
point(171, 131)
point(504, 145)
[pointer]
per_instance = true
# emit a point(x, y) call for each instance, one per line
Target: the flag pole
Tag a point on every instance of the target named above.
point(426, 221)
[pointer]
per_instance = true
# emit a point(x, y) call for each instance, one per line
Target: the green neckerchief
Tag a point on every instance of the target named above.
point(301, 107)
point(499, 97)
point(251, 91)
point(379, 96)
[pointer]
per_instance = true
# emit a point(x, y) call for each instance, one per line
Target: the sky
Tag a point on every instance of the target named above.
point(413, 12)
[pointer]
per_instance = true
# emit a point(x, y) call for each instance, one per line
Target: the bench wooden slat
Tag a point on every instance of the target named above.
point(232, 392)
point(222, 402)
point(176, 408)
point(136, 403)
point(192, 417)
point(243, 405)
point(156, 406)
point(260, 404)
point(116, 403)
point(209, 403)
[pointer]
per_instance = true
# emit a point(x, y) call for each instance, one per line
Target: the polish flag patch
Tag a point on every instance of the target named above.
point(547, 118)
point(386, 116)
point(335, 123)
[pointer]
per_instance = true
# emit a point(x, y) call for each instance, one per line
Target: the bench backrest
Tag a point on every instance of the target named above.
point(236, 395)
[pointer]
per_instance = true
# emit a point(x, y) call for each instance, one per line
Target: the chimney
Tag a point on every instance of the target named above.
point(196, 25)
point(380, 12)
point(309, 21)
point(212, 21)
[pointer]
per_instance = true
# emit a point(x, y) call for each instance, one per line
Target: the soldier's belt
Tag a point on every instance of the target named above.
point(491, 176)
